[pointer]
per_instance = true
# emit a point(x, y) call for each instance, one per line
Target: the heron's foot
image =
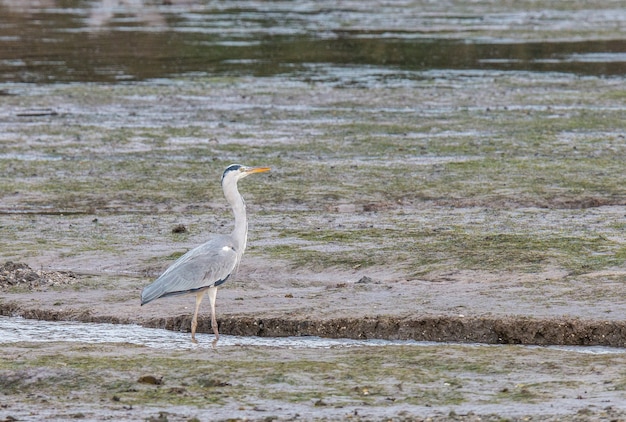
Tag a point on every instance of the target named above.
point(214, 343)
point(193, 339)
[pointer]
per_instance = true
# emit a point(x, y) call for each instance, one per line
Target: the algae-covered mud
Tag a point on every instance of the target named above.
point(443, 172)
point(62, 381)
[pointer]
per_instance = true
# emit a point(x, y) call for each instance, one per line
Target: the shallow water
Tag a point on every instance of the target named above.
point(14, 330)
point(51, 41)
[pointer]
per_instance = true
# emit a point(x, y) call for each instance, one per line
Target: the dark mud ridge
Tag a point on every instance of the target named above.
point(491, 330)
point(488, 330)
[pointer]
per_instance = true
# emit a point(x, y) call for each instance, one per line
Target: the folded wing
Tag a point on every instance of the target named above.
point(209, 264)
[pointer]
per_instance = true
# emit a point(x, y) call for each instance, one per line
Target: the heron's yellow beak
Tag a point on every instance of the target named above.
point(257, 170)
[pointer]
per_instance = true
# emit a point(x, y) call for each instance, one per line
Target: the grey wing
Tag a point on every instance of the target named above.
point(207, 265)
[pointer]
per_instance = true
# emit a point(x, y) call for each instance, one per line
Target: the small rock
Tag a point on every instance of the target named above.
point(150, 379)
point(180, 228)
point(365, 280)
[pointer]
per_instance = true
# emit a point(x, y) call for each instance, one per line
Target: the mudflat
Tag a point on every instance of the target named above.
point(451, 203)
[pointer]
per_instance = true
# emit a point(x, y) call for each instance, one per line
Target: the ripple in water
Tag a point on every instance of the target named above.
point(15, 330)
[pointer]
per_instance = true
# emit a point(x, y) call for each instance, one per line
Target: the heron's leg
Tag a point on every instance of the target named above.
point(212, 292)
point(194, 320)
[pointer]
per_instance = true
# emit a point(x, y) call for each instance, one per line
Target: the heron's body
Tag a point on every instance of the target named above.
point(207, 266)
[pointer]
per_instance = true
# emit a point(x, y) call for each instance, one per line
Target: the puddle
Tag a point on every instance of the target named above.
point(14, 330)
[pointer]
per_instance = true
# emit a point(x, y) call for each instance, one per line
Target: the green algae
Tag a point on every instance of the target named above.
point(373, 376)
point(417, 172)
point(421, 250)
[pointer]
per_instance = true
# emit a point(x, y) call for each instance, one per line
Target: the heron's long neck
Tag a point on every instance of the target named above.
point(240, 232)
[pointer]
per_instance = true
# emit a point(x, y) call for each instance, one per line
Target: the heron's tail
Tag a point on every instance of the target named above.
point(157, 290)
point(150, 293)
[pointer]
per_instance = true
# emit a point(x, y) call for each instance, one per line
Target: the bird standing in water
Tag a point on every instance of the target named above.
point(207, 266)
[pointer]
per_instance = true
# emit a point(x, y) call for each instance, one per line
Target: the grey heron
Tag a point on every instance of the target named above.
point(204, 268)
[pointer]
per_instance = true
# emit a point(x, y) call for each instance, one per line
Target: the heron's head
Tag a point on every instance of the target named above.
point(237, 171)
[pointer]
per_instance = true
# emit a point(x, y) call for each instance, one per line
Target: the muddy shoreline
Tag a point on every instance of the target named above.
point(304, 307)
point(521, 330)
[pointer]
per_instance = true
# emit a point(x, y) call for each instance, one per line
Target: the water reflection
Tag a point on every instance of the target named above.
point(26, 7)
point(119, 40)
point(102, 13)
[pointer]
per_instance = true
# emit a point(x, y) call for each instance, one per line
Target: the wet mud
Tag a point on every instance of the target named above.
point(508, 329)
point(448, 172)
point(488, 330)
